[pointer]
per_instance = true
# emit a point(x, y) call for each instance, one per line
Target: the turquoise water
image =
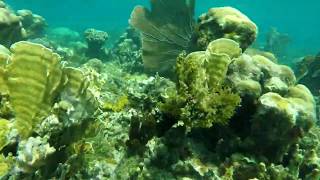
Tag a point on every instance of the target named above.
point(299, 19)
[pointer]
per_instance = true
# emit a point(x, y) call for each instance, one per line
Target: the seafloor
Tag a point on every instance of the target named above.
point(175, 97)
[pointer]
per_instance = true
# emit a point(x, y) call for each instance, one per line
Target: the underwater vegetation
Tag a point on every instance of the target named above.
point(175, 97)
point(171, 26)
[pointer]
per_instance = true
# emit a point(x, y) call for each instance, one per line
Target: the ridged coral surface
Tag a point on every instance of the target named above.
point(34, 76)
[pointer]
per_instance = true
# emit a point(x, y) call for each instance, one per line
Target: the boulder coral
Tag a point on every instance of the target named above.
point(11, 28)
point(96, 40)
point(165, 37)
point(225, 22)
point(284, 111)
point(282, 121)
point(32, 153)
point(33, 24)
point(255, 75)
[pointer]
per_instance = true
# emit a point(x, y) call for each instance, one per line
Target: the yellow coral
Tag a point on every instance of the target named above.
point(119, 105)
point(4, 167)
point(34, 76)
point(201, 84)
point(6, 164)
point(4, 130)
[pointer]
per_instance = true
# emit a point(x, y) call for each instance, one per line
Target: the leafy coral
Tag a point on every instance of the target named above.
point(4, 130)
point(201, 77)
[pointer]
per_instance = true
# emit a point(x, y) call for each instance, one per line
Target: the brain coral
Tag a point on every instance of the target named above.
point(283, 111)
point(225, 22)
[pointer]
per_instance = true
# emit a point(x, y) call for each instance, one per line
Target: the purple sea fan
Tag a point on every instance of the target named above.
point(166, 31)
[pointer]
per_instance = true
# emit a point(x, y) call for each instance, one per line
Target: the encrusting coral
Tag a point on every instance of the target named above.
point(32, 153)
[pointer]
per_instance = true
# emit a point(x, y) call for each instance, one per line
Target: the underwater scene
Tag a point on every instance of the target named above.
point(159, 90)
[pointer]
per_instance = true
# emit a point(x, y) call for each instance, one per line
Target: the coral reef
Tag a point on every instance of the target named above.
point(32, 153)
point(166, 31)
point(11, 27)
point(45, 98)
point(277, 43)
point(272, 89)
point(225, 22)
point(163, 39)
point(289, 118)
point(67, 43)
point(307, 70)
point(32, 84)
point(71, 110)
point(201, 76)
point(255, 75)
point(20, 25)
point(96, 40)
point(127, 50)
point(33, 24)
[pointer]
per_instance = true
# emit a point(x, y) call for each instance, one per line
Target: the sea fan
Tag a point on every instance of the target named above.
point(166, 30)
